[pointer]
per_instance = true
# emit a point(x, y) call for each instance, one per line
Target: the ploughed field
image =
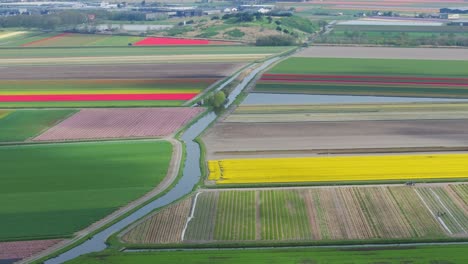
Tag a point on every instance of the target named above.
point(321, 214)
point(235, 140)
point(339, 169)
point(54, 190)
point(384, 77)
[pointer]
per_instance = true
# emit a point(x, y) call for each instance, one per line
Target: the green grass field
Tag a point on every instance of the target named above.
point(397, 67)
point(390, 255)
point(54, 190)
point(20, 125)
point(21, 39)
point(79, 40)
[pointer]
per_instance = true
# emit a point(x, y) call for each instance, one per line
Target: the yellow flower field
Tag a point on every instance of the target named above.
point(330, 169)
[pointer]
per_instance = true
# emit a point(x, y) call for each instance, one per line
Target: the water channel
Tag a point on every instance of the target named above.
point(191, 176)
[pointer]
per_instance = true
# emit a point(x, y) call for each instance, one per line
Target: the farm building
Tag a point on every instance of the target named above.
point(454, 10)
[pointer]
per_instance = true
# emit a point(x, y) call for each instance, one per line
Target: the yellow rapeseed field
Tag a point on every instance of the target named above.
point(344, 168)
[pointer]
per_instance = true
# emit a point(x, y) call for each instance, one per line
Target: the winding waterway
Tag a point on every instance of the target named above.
point(191, 176)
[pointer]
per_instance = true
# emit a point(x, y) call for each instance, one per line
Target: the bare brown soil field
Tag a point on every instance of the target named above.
point(164, 227)
point(134, 71)
point(17, 250)
point(233, 140)
point(385, 53)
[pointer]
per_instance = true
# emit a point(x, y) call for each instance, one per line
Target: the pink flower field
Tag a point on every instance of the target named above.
point(120, 123)
point(24, 249)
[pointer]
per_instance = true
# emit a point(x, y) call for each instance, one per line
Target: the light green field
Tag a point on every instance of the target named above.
point(20, 125)
point(387, 255)
point(397, 67)
point(81, 40)
point(54, 190)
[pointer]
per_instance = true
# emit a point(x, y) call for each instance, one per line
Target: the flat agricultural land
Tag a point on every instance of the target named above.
point(383, 77)
point(339, 169)
point(104, 86)
point(362, 255)
point(120, 123)
point(20, 125)
point(118, 71)
point(385, 53)
point(75, 40)
point(320, 214)
point(235, 140)
point(9, 55)
point(347, 112)
point(13, 251)
point(54, 190)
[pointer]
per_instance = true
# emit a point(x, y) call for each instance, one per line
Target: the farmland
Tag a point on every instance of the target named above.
point(164, 227)
point(22, 249)
point(20, 125)
point(391, 255)
point(234, 140)
point(120, 123)
point(367, 77)
point(155, 85)
point(339, 169)
point(317, 214)
point(349, 112)
point(66, 187)
point(75, 40)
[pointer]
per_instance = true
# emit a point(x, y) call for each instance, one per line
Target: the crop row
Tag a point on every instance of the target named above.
point(120, 123)
point(447, 208)
point(331, 169)
point(24, 249)
point(163, 227)
point(318, 214)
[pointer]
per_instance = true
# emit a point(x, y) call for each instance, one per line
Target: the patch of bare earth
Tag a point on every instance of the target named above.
point(235, 140)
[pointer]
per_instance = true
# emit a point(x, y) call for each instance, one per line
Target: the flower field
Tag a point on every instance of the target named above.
point(367, 77)
point(312, 214)
point(120, 123)
point(342, 169)
point(23, 249)
point(100, 92)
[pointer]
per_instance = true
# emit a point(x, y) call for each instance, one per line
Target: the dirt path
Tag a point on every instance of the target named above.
point(171, 176)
